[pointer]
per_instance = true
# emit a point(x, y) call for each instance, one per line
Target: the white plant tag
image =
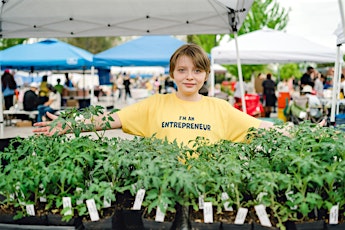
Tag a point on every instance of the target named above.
point(201, 202)
point(333, 214)
point(262, 214)
point(30, 210)
point(225, 196)
point(241, 215)
point(12, 196)
point(159, 214)
point(139, 199)
point(291, 199)
point(79, 190)
point(43, 198)
point(67, 204)
point(91, 207)
point(106, 202)
point(261, 195)
point(208, 212)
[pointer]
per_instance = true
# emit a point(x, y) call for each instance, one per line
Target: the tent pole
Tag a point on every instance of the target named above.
point(92, 86)
point(335, 86)
point(341, 8)
point(212, 78)
point(240, 77)
point(1, 113)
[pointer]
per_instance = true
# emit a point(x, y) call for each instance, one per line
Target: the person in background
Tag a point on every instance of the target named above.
point(307, 77)
point(43, 94)
point(127, 83)
point(269, 94)
point(52, 105)
point(258, 85)
point(182, 116)
point(342, 86)
point(9, 86)
point(58, 86)
point(318, 84)
point(30, 99)
point(68, 82)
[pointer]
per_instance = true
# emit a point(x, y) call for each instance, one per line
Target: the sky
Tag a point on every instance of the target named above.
point(315, 20)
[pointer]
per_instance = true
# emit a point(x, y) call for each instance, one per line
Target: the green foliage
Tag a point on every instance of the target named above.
point(288, 70)
point(93, 44)
point(9, 42)
point(292, 176)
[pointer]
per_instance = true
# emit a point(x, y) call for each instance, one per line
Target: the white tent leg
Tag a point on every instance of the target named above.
point(2, 124)
point(92, 86)
point(335, 85)
point(240, 77)
point(211, 79)
point(341, 8)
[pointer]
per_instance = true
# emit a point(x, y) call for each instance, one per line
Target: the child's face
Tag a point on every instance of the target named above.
point(188, 78)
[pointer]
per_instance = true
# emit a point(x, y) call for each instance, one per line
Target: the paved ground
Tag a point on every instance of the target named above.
point(13, 131)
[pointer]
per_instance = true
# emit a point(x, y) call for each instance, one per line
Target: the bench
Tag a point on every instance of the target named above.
point(11, 113)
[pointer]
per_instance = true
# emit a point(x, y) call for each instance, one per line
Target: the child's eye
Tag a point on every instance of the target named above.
point(181, 70)
point(198, 71)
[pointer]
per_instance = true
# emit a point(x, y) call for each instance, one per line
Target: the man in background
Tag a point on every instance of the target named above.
point(30, 99)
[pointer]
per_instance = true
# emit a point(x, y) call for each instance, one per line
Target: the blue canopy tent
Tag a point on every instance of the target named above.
point(143, 51)
point(50, 54)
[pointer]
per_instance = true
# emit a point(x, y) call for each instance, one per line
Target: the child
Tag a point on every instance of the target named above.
point(184, 115)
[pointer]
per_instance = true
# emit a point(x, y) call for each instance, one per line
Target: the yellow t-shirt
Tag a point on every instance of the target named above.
point(167, 116)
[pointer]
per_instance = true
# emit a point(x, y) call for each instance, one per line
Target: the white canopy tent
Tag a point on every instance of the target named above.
point(270, 46)
point(339, 32)
point(86, 18)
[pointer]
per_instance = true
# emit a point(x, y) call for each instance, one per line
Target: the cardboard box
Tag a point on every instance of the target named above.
point(72, 103)
point(24, 124)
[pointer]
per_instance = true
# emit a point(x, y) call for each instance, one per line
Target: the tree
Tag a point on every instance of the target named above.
point(263, 13)
point(93, 44)
point(288, 70)
point(9, 42)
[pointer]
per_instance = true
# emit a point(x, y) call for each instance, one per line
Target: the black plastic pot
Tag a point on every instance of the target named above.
point(335, 226)
point(257, 226)
point(228, 226)
point(102, 224)
point(132, 219)
point(197, 221)
point(56, 220)
point(34, 227)
point(314, 225)
point(151, 224)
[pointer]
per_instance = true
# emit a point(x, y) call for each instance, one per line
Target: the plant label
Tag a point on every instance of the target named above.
point(43, 198)
point(30, 210)
point(262, 214)
point(79, 191)
point(241, 215)
point(208, 212)
point(333, 214)
point(225, 196)
point(106, 202)
point(139, 199)
point(201, 202)
point(159, 214)
point(67, 205)
point(91, 207)
point(288, 196)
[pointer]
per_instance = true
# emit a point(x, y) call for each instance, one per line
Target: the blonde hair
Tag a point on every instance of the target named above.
point(196, 53)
